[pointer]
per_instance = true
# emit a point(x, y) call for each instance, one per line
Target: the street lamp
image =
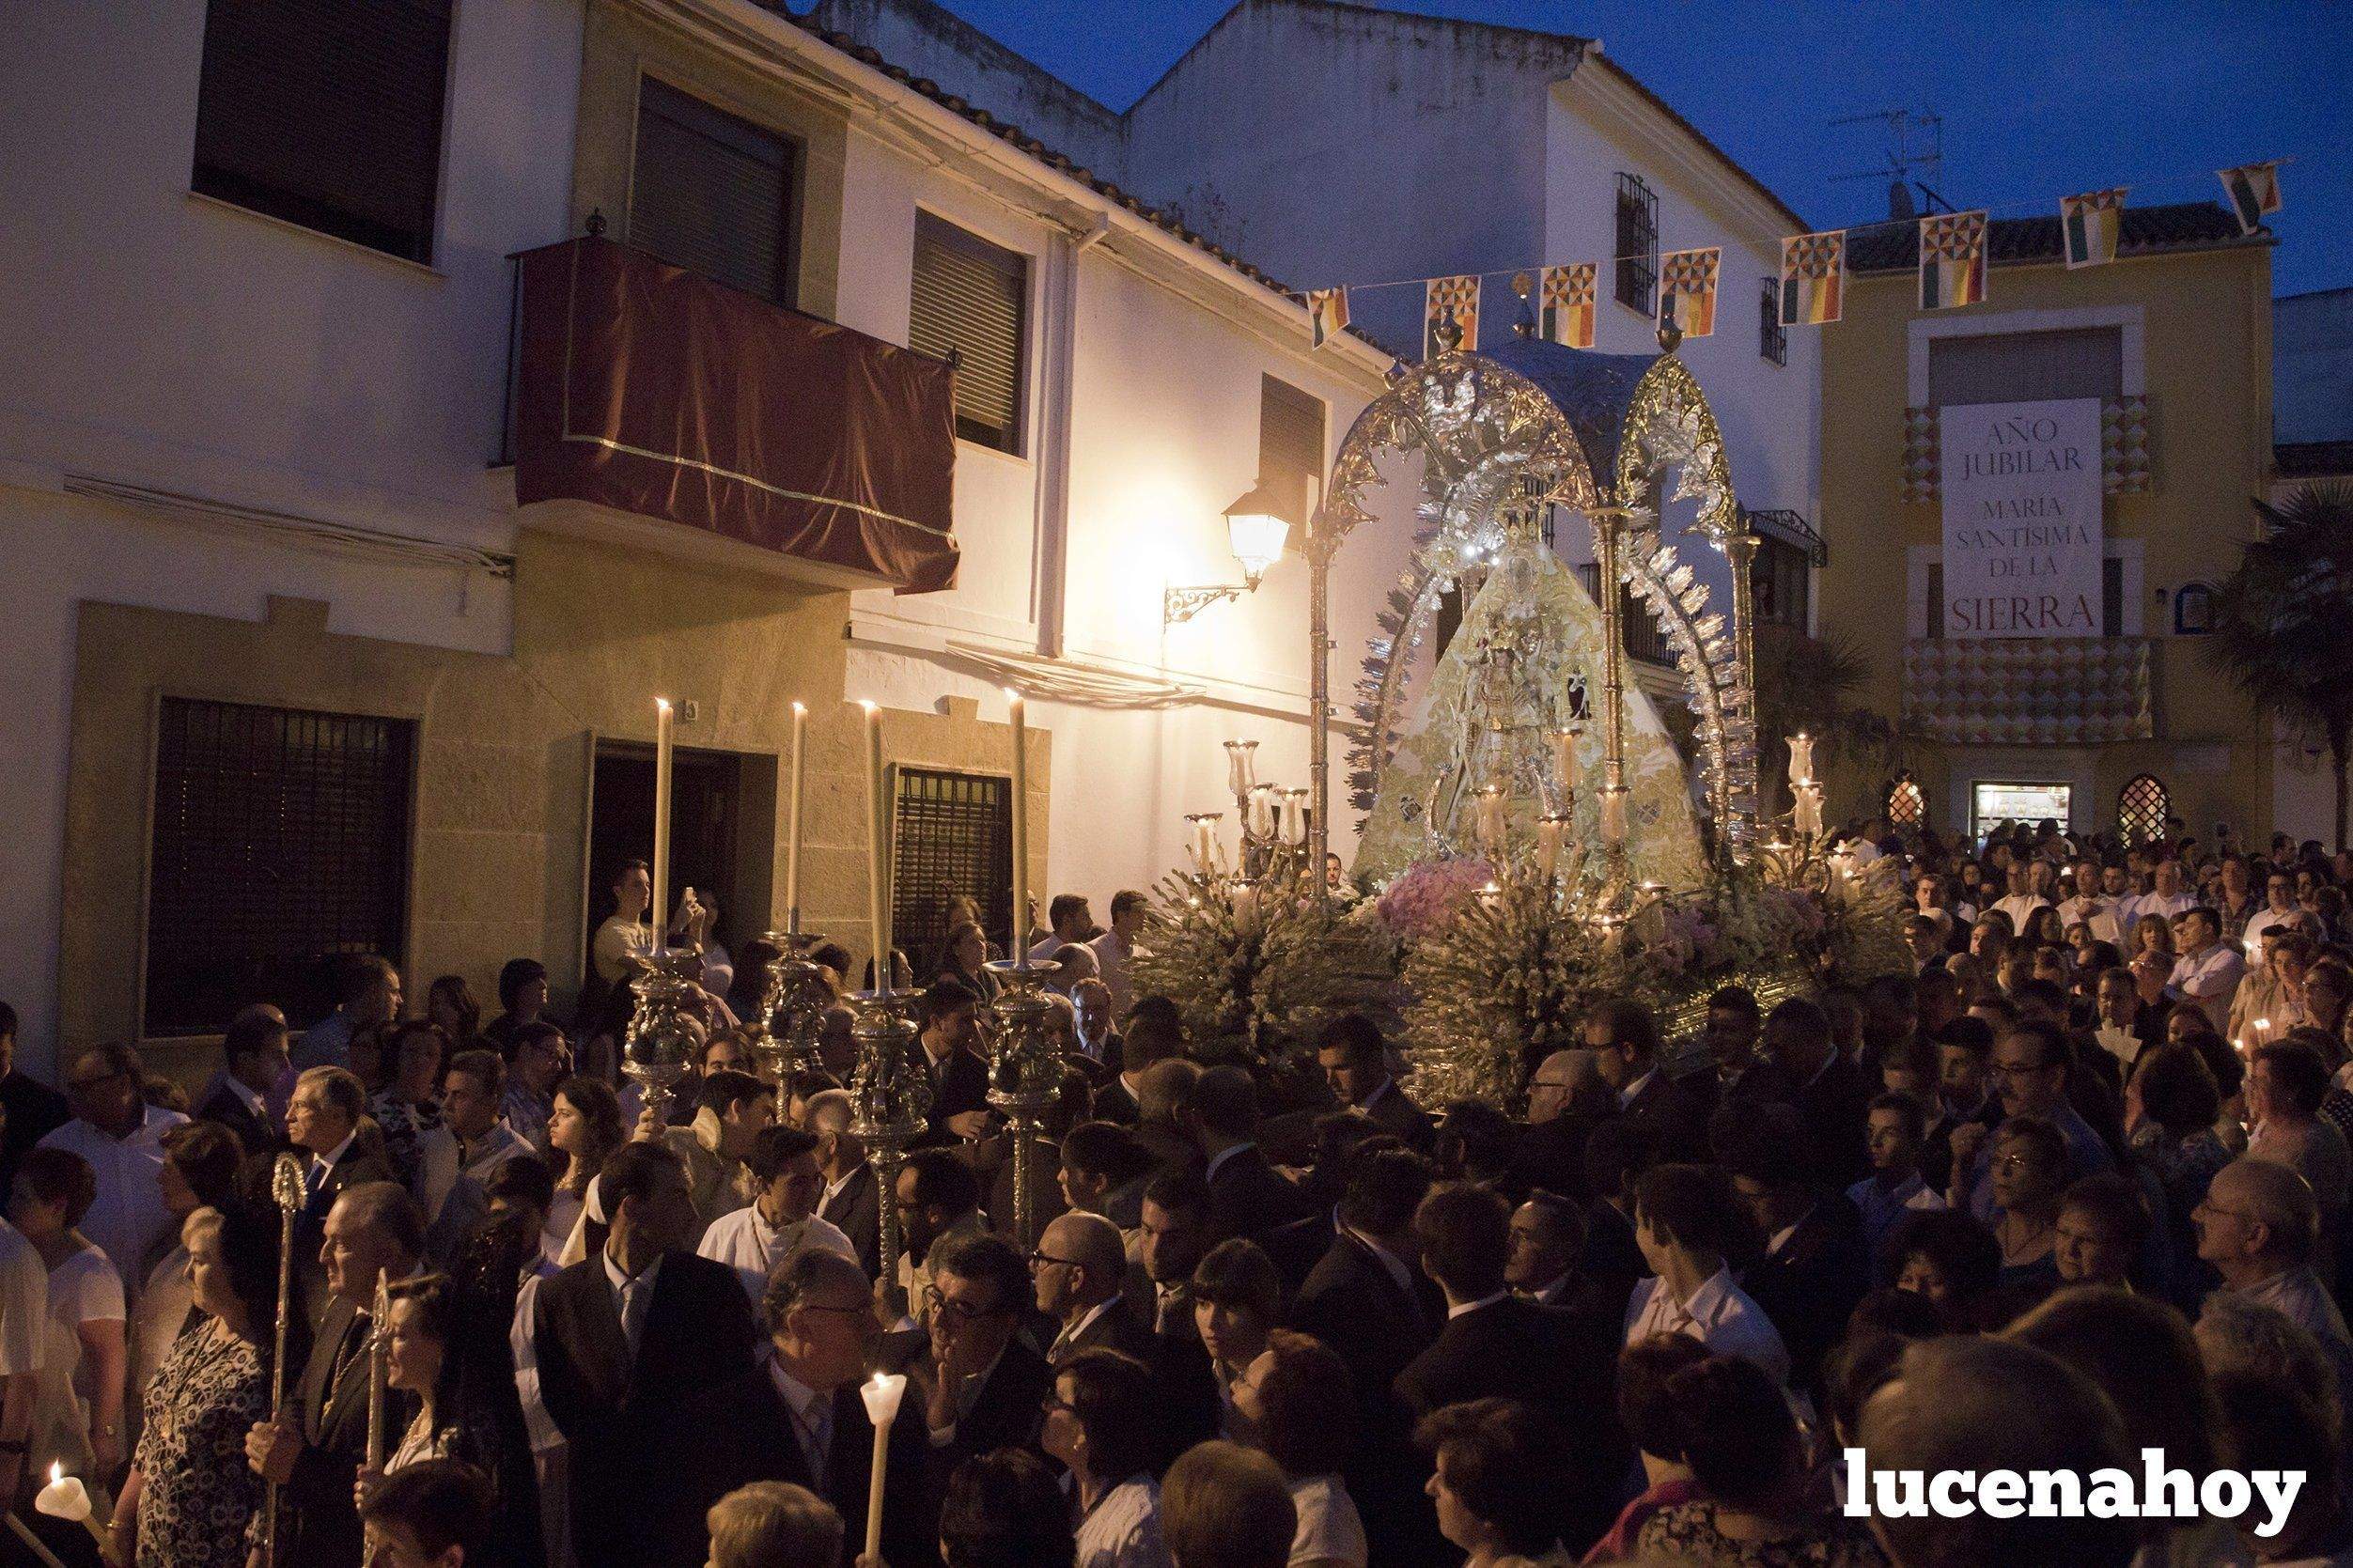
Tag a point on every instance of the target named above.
point(1255, 530)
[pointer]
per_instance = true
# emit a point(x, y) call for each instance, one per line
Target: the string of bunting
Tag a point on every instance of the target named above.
point(1951, 271)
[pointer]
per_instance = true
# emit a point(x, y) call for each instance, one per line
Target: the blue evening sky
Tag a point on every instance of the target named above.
point(2040, 98)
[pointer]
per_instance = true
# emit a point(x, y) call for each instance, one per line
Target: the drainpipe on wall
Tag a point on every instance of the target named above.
point(1049, 565)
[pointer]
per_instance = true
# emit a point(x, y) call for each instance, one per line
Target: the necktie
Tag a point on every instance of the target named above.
point(318, 1168)
point(1167, 1304)
point(815, 1421)
point(635, 1295)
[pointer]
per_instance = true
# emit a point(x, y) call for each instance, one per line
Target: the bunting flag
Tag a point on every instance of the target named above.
point(1687, 290)
point(1456, 299)
point(1568, 293)
point(1951, 259)
point(2093, 222)
point(1812, 278)
point(2255, 190)
point(1327, 314)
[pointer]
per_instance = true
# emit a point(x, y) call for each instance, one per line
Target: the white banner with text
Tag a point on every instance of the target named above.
point(2022, 532)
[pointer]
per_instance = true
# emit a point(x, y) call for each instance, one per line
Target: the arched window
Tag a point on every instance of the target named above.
point(2142, 807)
point(2193, 610)
point(1906, 802)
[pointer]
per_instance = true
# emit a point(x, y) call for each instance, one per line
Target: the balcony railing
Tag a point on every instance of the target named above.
point(1639, 629)
point(2031, 690)
point(649, 401)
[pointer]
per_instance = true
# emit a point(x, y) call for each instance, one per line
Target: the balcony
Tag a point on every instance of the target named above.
point(2031, 690)
point(661, 411)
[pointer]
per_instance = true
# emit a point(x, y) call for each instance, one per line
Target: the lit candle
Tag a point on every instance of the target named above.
point(1800, 760)
point(1548, 845)
point(66, 1498)
point(1490, 818)
point(881, 1395)
point(1294, 817)
point(661, 911)
point(1245, 898)
point(792, 823)
point(1241, 766)
point(1565, 760)
point(1809, 808)
point(1019, 951)
point(1262, 810)
point(878, 870)
point(1205, 840)
point(1613, 816)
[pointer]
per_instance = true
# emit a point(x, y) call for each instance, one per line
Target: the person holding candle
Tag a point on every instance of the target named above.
point(189, 1495)
point(807, 1423)
point(1104, 1420)
point(77, 1405)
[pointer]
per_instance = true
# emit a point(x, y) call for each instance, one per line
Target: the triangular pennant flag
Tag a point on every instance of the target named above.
point(1454, 301)
point(1569, 295)
point(1951, 259)
point(1812, 278)
point(2255, 190)
point(2093, 222)
point(1326, 314)
point(1687, 290)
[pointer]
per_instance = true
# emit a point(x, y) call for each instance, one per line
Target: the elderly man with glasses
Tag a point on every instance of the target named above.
point(981, 1387)
point(2029, 1074)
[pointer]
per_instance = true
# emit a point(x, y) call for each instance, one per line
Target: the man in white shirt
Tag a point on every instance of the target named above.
point(781, 1218)
point(456, 1159)
point(23, 1322)
point(2209, 970)
point(122, 1138)
point(2279, 907)
point(1680, 1216)
point(2090, 907)
point(1115, 947)
point(2166, 899)
point(2023, 900)
point(1073, 925)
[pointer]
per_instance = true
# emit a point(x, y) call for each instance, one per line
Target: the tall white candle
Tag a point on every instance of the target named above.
point(1490, 817)
point(1547, 847)
point(1262, 810)
point(662, 719)
point(1565, 760)
point(1204, 840)
point(792, 821)
point(881, 1395)
point(1019, 950)
point(1613, 816)
point(1294, 817)
point(877, 867)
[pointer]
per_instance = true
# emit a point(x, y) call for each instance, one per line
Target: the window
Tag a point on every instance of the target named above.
point(1773, 339)
point(2142, 807)
point(2193, 610)
point(713, 193)
point(970, 298)
point(326, 114)
point(1780, 583)
point(951, 833)
point(1906, 802)
point(2027, 367)
point(1290, 446)
point(1639, 627)
point(2111, 597)
point(1992, 804)
point(1637, 247)
point(281, 844)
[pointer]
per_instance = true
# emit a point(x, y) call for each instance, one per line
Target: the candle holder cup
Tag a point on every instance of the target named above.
point(794, 1002)
point(890, 1097)
point(665, 1029)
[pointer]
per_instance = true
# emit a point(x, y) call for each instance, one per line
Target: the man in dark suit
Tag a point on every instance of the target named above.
point(1833, 1100)
point(33, 1108)
point(959, 1078)
point(253, 1058)
point(1355, 1063)
point(1816, 1264)
point(1154, 1034)
point(322, 1120)
point(315, 1450)
point(1247, 1195)
point(1080, 1273)
point(982, 1389)
point(641, 1350)
point(853, 1194)
point(1664, 1110)
point(1495, 1345)
point(808, 1425)
point(1174, 1230)
point(1566, 1098)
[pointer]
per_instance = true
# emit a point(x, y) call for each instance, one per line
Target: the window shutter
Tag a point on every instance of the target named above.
point(2027, 367)
point(327, 113)
point(969, 296)
point(1290, 445)
point(711, 192)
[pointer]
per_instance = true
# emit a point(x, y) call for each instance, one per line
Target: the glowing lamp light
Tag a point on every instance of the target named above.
point(1257, 533)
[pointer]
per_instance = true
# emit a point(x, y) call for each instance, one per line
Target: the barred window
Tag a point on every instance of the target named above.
point(712, 193)
point(1773, 339)
point(1637, 247)
point(972, 298)
point(952, 833)
point(280, 845)
point(1781, 584)
point(2142, 807)
point(326, 114)
point(1906, 802)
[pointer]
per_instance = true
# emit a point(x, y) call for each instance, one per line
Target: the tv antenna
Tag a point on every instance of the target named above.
point(1915, 157)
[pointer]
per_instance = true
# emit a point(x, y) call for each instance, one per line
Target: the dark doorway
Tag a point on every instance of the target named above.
point(723, 829)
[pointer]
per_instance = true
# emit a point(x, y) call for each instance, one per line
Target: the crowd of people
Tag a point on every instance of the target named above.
point(2076, 1188)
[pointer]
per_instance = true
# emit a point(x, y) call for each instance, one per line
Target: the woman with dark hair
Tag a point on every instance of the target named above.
point(584, 1129)
point(1949, 1256)
point(449, 1002)
point(199, 1171)
point(1748, 1464)
point(77, 1391)
point(1497, 1480)
point(2170, 1103)
point(190, 1492)
point(2043, 929)
point(1300, 1407)
point(408, 1105)
point(2028, 1166)
point(1107, 1424)
point(1236, 1298)
point(1006, 1510)
point(523, 999)
point(1643, 1369)
point(964, 957)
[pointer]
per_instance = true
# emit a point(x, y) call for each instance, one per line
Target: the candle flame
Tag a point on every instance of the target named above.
point(56, 1472)
point(662, 703)
point(799, 708)
point(1012, 696)
point(867, 705)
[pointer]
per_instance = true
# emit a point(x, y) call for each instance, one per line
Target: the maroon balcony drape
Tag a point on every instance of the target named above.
point(652, 390)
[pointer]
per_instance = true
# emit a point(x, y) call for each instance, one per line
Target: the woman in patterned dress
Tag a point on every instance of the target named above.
point(190, 1493)
point(409, 1106)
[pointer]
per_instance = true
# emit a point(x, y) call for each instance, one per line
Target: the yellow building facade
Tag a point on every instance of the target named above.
point(2121, 725)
